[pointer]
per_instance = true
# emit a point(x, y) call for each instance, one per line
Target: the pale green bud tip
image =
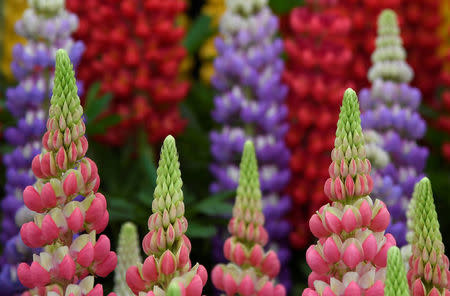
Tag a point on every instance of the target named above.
point(424, 188)
point(128, 230)
point(168, 181)
point(396, 283)
point(388, 18)
point(248, 160)
point(248, 175)
point(65, 87)
point(174, 289)
point(169, 141)
point(349, 117)
point(426, 224)
point(350, 99)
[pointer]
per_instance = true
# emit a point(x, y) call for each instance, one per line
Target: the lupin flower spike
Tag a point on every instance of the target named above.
point(166, 245)
point(429, 267)
point(128, 254)
point(396, 283)
point(45, 26)
point(250, 105)
point(390, 109)
point(350, 255)
point(70, 211)
point(389, 57)
point(251, 269)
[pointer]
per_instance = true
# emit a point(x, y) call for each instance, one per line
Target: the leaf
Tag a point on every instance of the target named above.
point(95, 105)
point(216, 204)
point(145, 198)
point(283, 7)
point(120, 209)
point(146, 161)
point(100, 126)
point(199, 32)
point(196, 230)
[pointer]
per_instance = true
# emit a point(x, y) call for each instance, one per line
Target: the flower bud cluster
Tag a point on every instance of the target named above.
point(166, 244)
point(69, 210)
point(251, 269)
point(350, 255)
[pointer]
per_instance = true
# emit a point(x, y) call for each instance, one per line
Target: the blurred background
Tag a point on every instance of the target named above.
point(145, 69)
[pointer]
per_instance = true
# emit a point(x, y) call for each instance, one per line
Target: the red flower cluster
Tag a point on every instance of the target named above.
point(443, 121)
point(139, 43)
point(419, 20)
point(318, 59)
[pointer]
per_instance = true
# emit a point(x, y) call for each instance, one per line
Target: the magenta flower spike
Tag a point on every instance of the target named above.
point(166, 244)
point(251, 270)
point(70, 211)
point(351, 253)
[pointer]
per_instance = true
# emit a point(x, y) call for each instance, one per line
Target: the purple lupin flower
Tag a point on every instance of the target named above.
point(390, 109)
point(249, 105)
point(47, 26)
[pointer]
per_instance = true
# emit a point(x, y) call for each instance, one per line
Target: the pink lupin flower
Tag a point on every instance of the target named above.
point(166, 244)
point(350, 255)
point(67, 266)
point(251, 270)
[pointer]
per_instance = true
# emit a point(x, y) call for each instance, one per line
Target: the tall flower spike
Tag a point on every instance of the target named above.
point(420, 23)
point(390, 109)
point(250, 105)
point(350, 255)
point(429, 267)
point(389, 57)
point(128, 254)
point(46, 26)
point(166, 245)
point(251, 270)
point(70, 211)
point(396, 283)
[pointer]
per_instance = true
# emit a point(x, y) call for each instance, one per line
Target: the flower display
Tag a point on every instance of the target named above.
point(316, 73)
point(428, 266)
point(46, 27)
point(214, 9)
point(350, 255)
point(128, 254)
point(166, 245)
point(390, 108)
point(420, 21)
point(70, 212)
point(251, 270)
point(12, 10)
point(140, 43)
point(249, 105)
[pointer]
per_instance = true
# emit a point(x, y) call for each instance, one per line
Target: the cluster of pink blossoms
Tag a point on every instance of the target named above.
point(166, 244)
point(69, 210)
point(350, 255)
point(251, 270)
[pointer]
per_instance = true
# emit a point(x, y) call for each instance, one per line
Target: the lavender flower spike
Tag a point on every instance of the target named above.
point(249, 105)
point(390, 109)
point(46, 26)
